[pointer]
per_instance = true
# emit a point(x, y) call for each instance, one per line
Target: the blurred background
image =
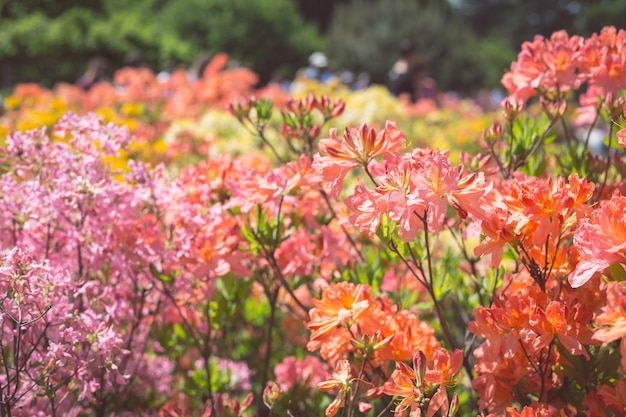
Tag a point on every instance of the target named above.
point(468, 44)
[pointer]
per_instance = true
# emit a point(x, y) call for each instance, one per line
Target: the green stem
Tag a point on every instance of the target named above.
point(431, 291)
point(608, 165)
point(272, 298)
point(356, 389)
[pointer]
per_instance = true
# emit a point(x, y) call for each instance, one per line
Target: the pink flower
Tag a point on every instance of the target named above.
point(612, 320)
point(253, 189)
point(545, 66)
point(417, 187)
point(621, 137)
point(604, 60)
point(359, 147)
point(340, 379)
point(363, 144)
point(309, 371)
point(296, 256)
point(498, 231)
point(601, 240)
point(365, 209)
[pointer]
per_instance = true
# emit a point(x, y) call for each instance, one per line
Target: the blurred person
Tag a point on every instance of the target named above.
point(317, 62)
point(347, 78)
point(318, 68)
point(134, 59)
point(409, 75)
point(278, 78)
point(166, 71)
point(399, 80)
point(97, 71)
point(424, 87)
point(196, 70)
point(362, 81)
point(299, 82)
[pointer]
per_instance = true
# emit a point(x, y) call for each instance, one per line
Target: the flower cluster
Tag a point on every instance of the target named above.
point(347, 321)
point(550, 67)
point(561, 63)
point(138, 99)
point(389, 276)
point(84, 299)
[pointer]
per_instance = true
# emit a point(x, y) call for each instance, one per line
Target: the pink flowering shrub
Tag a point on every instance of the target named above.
point(33, 312)
point(93, 238)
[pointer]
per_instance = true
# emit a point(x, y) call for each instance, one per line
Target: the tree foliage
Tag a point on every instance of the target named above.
point(516, 21)
point(46, 41)
point(265, 35)
point(365, 35)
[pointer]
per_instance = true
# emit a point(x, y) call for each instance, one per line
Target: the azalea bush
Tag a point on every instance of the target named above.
point(325, 265)
point(137, 99)
point(179, 121)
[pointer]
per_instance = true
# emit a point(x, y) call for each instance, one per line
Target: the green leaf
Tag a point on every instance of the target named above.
point(164, 278)
point(180, 332)
point(617, 272)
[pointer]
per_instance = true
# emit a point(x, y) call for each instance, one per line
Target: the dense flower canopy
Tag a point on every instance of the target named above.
point(181, 248)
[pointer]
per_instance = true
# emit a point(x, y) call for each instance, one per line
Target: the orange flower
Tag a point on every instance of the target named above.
point(404, 383)
point(498, 230)
point(410, 334)
point(613, 318)
point(544, 209)
point(363, 144)
point(424, 381)
point(445, 368)
point(614, 398)
point(339, 306)
point(536, 410)
point(601, 240)
point(341, 379)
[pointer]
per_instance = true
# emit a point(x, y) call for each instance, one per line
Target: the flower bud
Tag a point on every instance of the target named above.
point(271, 394)
point(241, 108)
point(512, 108)
point(314, 131)
point(493, 134)
point(454, 406)
point(331, 109)
point(614, 105)
point(419, 366)
point(553, 109)
point(263, 109)
point(310, 103)
point(369, 343)
point(364, 407)
point(338, 108)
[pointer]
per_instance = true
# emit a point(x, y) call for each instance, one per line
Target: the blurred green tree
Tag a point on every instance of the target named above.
point(364, 35)
point(265, 35)
point(516, 21)
point(503, 25)
point(52, 40)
